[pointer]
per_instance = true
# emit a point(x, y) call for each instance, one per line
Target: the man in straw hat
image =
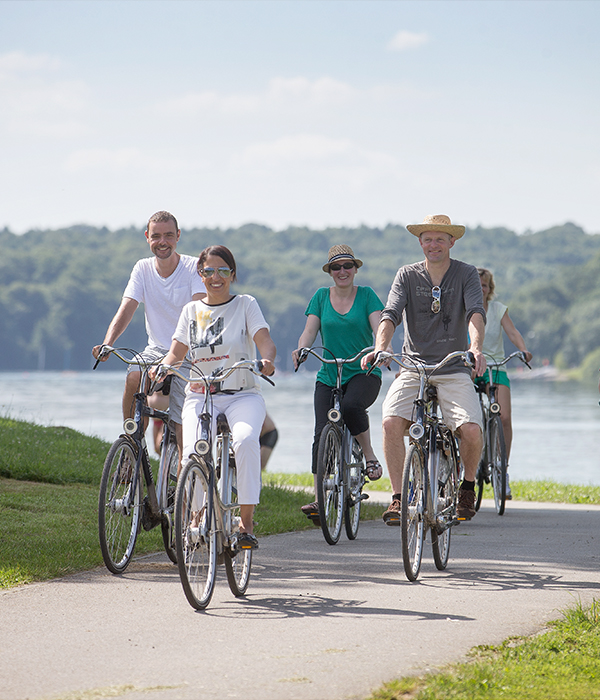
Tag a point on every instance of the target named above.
point(441, 303)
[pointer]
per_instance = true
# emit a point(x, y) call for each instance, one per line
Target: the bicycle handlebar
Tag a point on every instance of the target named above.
point(416, 364)
point(305, 352)
point(518, 353)
point(106, 350)
point(254, 366)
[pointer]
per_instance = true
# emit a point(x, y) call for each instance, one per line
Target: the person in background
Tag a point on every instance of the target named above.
point(217, 331)
point(498, 320)
point(347, 317)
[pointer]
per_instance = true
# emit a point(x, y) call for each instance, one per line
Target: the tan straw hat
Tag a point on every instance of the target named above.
point(437, 222)
point(340, 252)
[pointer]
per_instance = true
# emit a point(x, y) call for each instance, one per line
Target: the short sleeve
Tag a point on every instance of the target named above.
point(315, 305)
point(254, 317)
point(182, 330)
point(135, 286)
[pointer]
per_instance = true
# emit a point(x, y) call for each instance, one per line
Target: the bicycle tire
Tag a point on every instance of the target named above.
point(119, 506)
point(412, 511)
point(447, 503)
point(195, 534)
point(497, 456)
point(238, 564)
point(330, 483)
point(355, 480)
point(168, 501)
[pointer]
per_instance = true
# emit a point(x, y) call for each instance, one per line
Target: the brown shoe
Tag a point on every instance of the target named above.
point(392, 514)
point(466, 505)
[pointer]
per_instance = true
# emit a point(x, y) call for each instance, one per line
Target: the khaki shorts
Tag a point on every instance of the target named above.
point(456, 396)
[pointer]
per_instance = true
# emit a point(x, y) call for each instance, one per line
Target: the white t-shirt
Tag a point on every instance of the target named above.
point(163, 297)
point(220, 335)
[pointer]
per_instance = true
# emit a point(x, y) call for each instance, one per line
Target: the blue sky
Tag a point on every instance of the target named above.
point(299, 113)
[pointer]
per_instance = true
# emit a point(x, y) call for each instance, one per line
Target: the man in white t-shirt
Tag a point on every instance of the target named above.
point(164, 283)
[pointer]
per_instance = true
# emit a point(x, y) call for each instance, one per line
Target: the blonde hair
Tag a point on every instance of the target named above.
point(484, 272)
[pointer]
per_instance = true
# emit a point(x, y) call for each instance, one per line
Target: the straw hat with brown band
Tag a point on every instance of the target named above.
point(439, 223)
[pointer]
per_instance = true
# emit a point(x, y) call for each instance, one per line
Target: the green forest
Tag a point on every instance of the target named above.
point(60, 288)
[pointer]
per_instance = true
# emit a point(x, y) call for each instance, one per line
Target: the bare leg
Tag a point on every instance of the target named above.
point(394, 451)
point(471, 443)
point(506, 416)
point(132, 383)
point(247, 517)
point(364, 440)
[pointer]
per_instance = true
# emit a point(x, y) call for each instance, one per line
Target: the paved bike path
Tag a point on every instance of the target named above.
point(318, 623)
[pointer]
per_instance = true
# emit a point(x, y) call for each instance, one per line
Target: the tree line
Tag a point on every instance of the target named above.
point(60, 288)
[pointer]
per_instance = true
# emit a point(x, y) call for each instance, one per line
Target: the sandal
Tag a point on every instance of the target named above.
point(246, 541)
point(374, 470)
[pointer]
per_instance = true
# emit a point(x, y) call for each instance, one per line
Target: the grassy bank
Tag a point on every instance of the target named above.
point(563, 662)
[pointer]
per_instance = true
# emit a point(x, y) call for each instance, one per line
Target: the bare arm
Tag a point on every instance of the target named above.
point(266, 348)
point(476, 334)
point(383, 340)
point(514, 336)
point(308, 337)
point(118, 325)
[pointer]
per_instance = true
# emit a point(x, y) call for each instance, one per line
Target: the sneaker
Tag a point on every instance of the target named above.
point(466, 505)
point(392, 514)
point(311, 510)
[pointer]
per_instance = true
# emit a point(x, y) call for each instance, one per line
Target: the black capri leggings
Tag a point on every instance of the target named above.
point(359, 393)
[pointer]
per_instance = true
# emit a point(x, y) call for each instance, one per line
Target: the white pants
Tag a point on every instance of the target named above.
point(245, 413)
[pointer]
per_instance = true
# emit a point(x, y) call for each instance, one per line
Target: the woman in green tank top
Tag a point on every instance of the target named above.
point(347, 317)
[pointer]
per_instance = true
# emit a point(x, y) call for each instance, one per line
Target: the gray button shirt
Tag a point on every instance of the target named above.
point(428, 336)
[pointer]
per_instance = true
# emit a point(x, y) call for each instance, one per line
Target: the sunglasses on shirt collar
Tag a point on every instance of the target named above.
point(436, 304)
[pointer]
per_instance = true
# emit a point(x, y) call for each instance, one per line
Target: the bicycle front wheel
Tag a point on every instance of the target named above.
point(446, 503)
point(167, 501)
point(195, 534)
point(330, 484)
point(119, 506)
point(412, 511)
point(355, 480)
point(498, 463)
point(238, 562)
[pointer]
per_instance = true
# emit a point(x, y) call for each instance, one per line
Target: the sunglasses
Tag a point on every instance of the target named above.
point(436, 304)
point(336, 267)
point(223, 272)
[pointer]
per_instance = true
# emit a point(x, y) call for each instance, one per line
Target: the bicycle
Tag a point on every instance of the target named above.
point(493, 464)
point(206, 521)
point(341, 469)
point(123, 510)
point(431, 474)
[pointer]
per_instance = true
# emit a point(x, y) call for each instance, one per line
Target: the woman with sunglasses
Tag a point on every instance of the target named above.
point(218, 331)
point(347, 317)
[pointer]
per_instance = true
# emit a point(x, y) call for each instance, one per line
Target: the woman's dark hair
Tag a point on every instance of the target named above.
point(222, 252)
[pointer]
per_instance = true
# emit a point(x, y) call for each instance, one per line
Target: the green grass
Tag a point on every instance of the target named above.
point(563, 662)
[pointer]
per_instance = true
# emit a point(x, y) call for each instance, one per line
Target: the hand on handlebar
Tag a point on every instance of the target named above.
point(267, 367)
point(479, 362)
point(299, 356)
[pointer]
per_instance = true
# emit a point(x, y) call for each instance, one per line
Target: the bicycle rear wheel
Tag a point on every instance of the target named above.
point(412, 511)
point(447, 503)
point(119, 506)
point(238, 562)
point(330, 484)
point(195, 534)
point(355, 480)
point(497, 457)
point(168, 501)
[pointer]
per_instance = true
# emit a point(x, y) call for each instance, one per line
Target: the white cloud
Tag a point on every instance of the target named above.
point(406, 41)
point(35, 101)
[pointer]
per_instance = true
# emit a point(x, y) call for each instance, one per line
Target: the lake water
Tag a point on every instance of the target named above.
point(556, 424)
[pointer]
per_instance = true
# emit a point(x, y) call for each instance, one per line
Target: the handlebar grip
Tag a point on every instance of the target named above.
point(302, 355)
point(470, 358)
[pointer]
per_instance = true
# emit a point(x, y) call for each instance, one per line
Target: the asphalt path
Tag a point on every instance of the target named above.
point(318, 622)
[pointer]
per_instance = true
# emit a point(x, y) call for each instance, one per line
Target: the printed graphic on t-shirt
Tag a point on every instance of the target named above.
point(206, 332)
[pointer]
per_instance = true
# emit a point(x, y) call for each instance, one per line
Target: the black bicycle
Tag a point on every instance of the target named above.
point(341, 469)
point(493, 464)
point(206, 505)
point(432, 469)
point(123, 509)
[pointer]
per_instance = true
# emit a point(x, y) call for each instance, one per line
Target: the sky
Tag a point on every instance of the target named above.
point(299, 113)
